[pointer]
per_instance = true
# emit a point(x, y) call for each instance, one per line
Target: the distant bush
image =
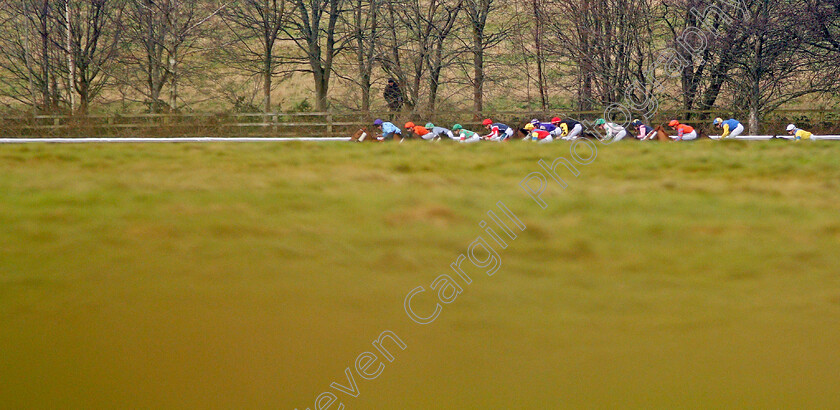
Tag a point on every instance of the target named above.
point(302, 106)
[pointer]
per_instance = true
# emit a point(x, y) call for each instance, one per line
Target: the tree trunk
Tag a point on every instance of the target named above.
point(414, 92)
point(154, 96)
point(585, 90)
point(688, 92)
point(55, 95)
point(754, 125)
point(434, 84)
point(155, 86)
point(71, 67)
point(45, 57)
point(267, 82)
point(364, 76)
point(321, 88)
point(713, 90)
point(541, 76)
point(83, 97)
point(585, 98)
point(366, 93)
point(27, 58)
point(173, 84)
point(434, 75)
point(538, 45)
point(478, 64)
point(364, 51)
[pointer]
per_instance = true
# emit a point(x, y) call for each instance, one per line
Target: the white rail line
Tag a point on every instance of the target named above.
point(788, 137)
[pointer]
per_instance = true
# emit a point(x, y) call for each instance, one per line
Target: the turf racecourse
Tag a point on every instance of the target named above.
point(251, 275)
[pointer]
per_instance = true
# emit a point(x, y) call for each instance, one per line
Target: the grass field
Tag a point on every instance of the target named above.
point(251, 275)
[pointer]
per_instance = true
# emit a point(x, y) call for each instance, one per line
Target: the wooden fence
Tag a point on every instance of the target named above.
point(338, 124)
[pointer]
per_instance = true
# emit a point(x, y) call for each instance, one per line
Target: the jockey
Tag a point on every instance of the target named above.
point(615, 132)
point(645, 132)
point(569, 129)
point(389, 130)
point(498, 132)
point(439, 132)
point(527, 130)
point(467, 136)
point(684, 132)
point(798, 134)
point(544, 126)
point(541, 136)
point(419, 131)
point(731, 127)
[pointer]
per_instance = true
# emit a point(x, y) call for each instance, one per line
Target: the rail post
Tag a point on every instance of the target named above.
point(329, 123)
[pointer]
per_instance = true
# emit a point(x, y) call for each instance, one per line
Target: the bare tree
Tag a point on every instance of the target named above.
point(256, 26)
point(479, 12)
point(161, 35)
point(607, 39)
point(95, 31)
point(441, 19)
point(773, 68)
point(706, 38)
point(520, 43)
point(318, 40)
point(364, 24)
point(71, 62)
point(26, 52)
point(404, 48)
point(818, 26)
point(418, 46)
point(538, 15)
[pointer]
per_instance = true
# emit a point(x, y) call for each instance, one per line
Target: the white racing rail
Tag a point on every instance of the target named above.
point(244, 139)
point(769, 137)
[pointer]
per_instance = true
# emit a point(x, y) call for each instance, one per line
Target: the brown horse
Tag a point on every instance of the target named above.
point(363, 135)
point(660, 134)
point(524, 135)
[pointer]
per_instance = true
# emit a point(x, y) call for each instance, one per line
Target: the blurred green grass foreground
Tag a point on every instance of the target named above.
point(688, 275)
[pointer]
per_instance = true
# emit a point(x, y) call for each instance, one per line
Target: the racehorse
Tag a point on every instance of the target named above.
point(524, 135)
point(662, 135)
point(363, 135)
point(659, 134)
